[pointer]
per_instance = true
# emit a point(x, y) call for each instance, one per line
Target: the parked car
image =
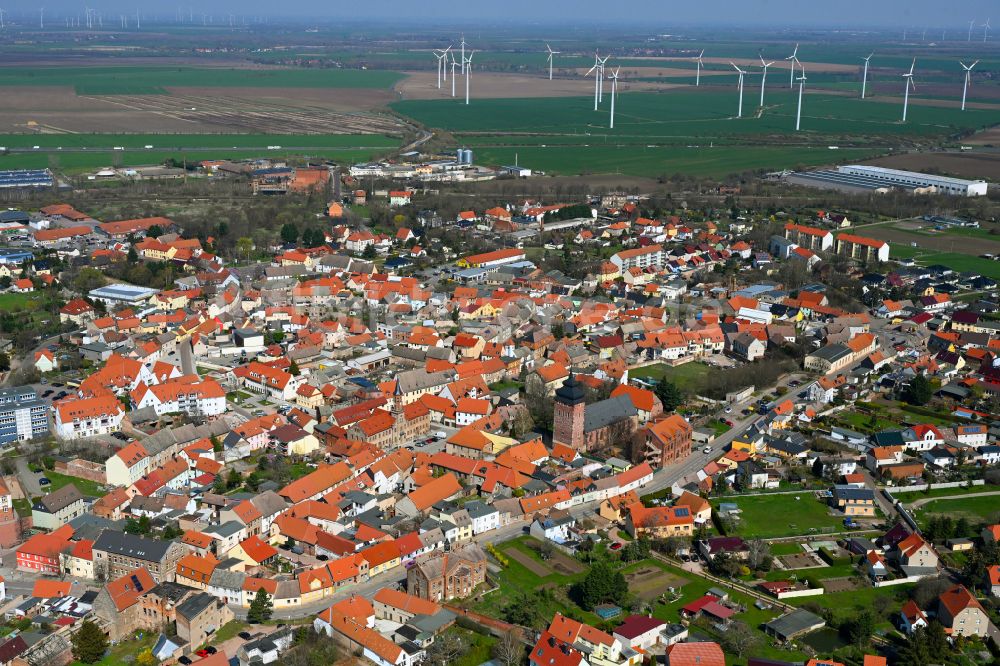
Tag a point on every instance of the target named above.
point(44, 481)
point(211, 649)
point(202, 652)
point(245, 635)
point(184, 660)
point(617, 545)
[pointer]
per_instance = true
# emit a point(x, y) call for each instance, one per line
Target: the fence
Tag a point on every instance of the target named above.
point(897, 581)
point(895, 490)
point(792, 594)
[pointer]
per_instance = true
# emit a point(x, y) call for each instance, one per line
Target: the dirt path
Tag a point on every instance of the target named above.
point(528, 562)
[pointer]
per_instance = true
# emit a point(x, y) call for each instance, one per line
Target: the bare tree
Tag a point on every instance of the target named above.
point(758, 553)
point(445, 649)
point(509, 650)
point(739, 638)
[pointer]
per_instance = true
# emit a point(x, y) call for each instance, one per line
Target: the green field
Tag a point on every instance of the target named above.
point(153, 80)
point(976, 508)
point(83, 161)
point(195, 141)
point(798, 517)
point(683, 115)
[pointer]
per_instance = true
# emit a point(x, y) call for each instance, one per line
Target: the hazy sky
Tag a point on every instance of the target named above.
point(663, 12)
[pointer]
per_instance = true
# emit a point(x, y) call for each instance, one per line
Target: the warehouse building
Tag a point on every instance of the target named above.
point(916, 180)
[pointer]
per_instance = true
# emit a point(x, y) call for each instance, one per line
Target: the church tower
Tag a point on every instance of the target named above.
point(569, 413)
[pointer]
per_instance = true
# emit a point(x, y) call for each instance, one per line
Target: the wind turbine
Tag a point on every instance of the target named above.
point(41, 18)
point(968, 76)
point(697, 76)
point(442, 65)
point(468, 68)
point(763, 78)
point(972, 24)
point(739, 112)
point(908, 77)
point(463, 54)
point(802, 83)
point(864, 78)
point(454, 64)
point(614, 93)
point(600, 79)
point(551, 53)
point(986, 30)
point(2, 26)
point(793, 58)
point(597, 78)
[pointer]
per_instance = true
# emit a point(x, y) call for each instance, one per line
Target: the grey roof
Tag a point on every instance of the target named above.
point(832, 353)
point(269, 503)
point(226, 579)
point(606, 412)
point(852, 493)
point(226, 529)
point(130, 545)
point(416, 380)
point(478, 509)
point(797, 622)
point(60, 499)
point(195, 605)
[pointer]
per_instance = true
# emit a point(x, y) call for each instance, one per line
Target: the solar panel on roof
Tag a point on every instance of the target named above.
point(682, 511)
point(137, 583)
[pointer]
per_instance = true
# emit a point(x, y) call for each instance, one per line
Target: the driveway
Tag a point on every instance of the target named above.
point(28, 479)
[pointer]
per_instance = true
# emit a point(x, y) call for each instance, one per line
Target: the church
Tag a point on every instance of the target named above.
point(588, 427)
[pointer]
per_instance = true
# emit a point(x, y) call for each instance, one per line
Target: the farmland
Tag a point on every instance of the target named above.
point(155, 80)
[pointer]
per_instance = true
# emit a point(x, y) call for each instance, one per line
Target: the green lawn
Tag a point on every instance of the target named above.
point(768, 516)
point(850, 603)
point(478, 648)
point(124, 653)
point(23, 507)
point(227, 631)
point(86, 487)
point(914, 495)
point(688, 375)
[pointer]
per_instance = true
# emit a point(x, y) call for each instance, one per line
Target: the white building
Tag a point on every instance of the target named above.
point(184, 394)
point(910, 179)
point(88, 417)
point(22, 415)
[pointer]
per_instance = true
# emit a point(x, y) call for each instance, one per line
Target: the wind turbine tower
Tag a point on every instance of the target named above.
point(864, 77)
point(972, 24)
point(968, 76)
point(802, 83)
point(739, 112)
point(614, 93)
point(986, 30)
point(793, 58)
point(454, 64)
point(600, 79)
point(468, 68)
point(463, 55)
point(908, 78)
point(763, 78)
point(41, 18)
point(597, 78)
point(551, 53)
point(697, 76)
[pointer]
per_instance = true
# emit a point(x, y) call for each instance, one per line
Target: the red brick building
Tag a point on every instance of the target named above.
point(667, 441)
point(40, 553)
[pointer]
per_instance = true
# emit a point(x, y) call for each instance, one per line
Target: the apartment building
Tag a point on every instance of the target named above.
point(187, 394)
point(642, 257)
point(862, 248)
point(23, 415)
point(811, 238)
point(117, 554)
point(77, 418)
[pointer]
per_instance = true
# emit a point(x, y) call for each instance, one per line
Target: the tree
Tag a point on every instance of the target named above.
point(859, 629)
point(89, 643)
point(522, 610)
point(216, 443)
point(918, 391)
point(670, 396)
point(635, 550)
point(603, 584)
point(558, 330)
point(146, 658)
point(244, 246)
point(915, 652)
point(88, 279)
point(289, 233)
point(739, 638)
point(155, 231)
point(133, 256)
point(758, 555)
point(293, 369)
point(369, 251)
point(509, 650)
point(260, 608)
point(233, 478)
point(817, 468)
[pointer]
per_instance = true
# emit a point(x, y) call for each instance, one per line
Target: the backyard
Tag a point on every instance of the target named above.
point(87, 488)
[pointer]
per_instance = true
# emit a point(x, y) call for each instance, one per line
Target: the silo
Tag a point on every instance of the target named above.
point(467, 156)
point(459, 155)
